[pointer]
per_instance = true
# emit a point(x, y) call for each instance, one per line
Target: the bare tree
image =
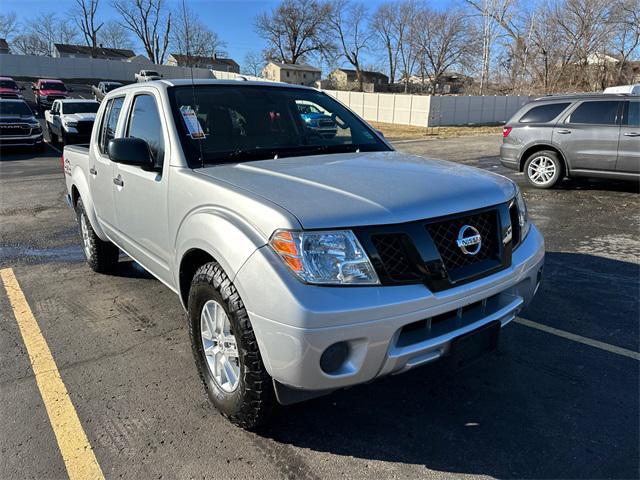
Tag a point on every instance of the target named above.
point(147, 20)
point(253, 64)
point(114, 35)
point(405, 33)
point(193, 38)
point(8, 25)
point(42, 32)
point(443, 41)
point(348, 23)
point(84, 16)
point(294, 30)
point(626, 34)
point(383, 25)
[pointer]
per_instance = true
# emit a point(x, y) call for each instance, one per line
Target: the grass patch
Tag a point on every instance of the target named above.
point(409, 132)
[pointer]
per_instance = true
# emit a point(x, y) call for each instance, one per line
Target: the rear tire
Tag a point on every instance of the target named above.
point(544, 169)
point(101, 256)
point(244, 395)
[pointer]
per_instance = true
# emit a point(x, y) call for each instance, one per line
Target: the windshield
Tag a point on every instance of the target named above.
point(53, 86)
point(150, 73)
point(219, 123)
point(8, 84)
point(111, 86)
point(80, 107)
point(15, 108)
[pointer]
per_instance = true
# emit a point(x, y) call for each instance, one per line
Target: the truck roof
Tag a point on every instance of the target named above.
point(241, 81)
point(75, 100)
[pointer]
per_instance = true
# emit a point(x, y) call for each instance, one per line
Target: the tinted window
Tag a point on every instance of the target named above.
point(80, 107)
point(8, 84)
point(633, 117)
point(597, 113)
point(111, 121)
point(145, 124)
point(15, 108)
point(543, 113)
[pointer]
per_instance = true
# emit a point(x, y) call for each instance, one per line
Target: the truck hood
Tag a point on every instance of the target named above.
point(75, 117)
point(358, 189)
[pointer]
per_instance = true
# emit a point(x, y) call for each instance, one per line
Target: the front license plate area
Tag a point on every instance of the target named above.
point(467, 348)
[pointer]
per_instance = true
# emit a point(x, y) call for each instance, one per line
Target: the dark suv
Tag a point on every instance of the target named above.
point(570, 136)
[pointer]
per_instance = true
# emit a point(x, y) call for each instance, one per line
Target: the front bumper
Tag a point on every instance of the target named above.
point(22, 141)
point(295, 323)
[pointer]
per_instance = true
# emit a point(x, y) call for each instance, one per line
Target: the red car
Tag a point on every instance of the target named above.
point(47, 91)
point(9, 88)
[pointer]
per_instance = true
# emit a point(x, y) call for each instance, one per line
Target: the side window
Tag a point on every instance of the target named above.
point(543, 113)
point(596, 113)
point(633, 115)
point(108, 129)
point(145, 123)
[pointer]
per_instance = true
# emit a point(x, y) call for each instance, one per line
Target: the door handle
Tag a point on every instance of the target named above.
point(632, 134)
point(93, 171)
point(118, 181)
point(564, 131)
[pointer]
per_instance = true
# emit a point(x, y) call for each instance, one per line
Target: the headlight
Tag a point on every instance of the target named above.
point(329, 257)
point(523, 216)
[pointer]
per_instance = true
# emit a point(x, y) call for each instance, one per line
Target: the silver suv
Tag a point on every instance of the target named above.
point(571, 136)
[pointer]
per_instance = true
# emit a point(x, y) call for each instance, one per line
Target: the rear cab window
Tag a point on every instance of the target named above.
point(544, 113)
point(603, 112)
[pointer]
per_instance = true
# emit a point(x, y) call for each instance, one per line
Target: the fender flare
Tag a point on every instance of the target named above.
point(79, 181)
point(549, 144)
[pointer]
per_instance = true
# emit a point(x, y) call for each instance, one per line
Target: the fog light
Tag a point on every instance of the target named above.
point(333, 357)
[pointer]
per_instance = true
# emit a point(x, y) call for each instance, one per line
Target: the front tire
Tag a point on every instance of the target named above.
point(226, 351)
point(101, 256)
point(544, 169)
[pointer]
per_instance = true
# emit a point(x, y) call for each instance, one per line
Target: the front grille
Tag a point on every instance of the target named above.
point(394, 255)
point(84, 127)
point(445, 236)
point(15, 130)
point(326, 123)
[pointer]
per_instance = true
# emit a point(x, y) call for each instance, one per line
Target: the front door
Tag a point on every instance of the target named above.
point(141, 196)
point(629, 145)
point(589, 135)
point(101, 167)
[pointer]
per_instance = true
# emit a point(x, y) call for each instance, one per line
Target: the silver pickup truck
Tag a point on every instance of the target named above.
point(306, 263)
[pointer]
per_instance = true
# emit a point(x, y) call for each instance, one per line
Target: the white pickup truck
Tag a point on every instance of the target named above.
point(70, 120)
point(306, 262)
point(147, 76)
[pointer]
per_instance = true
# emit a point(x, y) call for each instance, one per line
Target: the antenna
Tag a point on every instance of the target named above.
point(193, 88)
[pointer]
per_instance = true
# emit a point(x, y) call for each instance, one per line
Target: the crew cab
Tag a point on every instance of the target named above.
point(9, 88)
point(103, 88)
point(147, 76)
point(47, 91)
point(71, 120)
point(18, 125)
point(306, 264)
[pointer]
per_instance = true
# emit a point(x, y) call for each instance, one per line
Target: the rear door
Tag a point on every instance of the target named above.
point(141, 196)
point(589, 134)
point(629, 144)
point(101, 167)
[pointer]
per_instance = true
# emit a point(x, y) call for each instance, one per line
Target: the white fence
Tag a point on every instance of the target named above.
point(428, 111)
point(87, 68)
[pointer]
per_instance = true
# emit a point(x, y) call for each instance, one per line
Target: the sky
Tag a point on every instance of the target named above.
point(232, 20)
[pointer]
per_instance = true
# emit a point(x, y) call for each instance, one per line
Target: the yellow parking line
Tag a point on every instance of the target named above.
point(580, 339)
point(76, 451)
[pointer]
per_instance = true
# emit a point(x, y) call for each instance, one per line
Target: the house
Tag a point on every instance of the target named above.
point(63, 50)
point(347, 79)
point(198, 61)
point(139, 59)
point(4, 46)
point(297, 74)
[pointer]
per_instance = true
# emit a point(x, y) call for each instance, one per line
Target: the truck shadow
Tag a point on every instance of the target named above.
point(541, 407)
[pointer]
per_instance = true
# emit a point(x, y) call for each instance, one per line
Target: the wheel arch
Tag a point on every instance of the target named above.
point(530, 150)
point(81, 187)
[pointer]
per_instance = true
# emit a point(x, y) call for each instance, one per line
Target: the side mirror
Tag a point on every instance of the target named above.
point(131, 151)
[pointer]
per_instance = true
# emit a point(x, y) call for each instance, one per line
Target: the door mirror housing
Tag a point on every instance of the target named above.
point(131, 151)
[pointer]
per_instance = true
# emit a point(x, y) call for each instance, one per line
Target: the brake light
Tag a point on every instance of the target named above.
point(506, 131)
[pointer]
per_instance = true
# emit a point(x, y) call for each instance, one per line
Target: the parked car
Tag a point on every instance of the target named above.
point(574, 136)
point(147, 75)
point(318, 121)
point(71, 120)
point(9, 88)
point(630, 89)
point(47, 91)
point(306, 264)
point(18, 125)
point(103, 88)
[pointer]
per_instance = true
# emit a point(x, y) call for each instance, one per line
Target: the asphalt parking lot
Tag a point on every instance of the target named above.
point(560, 398)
